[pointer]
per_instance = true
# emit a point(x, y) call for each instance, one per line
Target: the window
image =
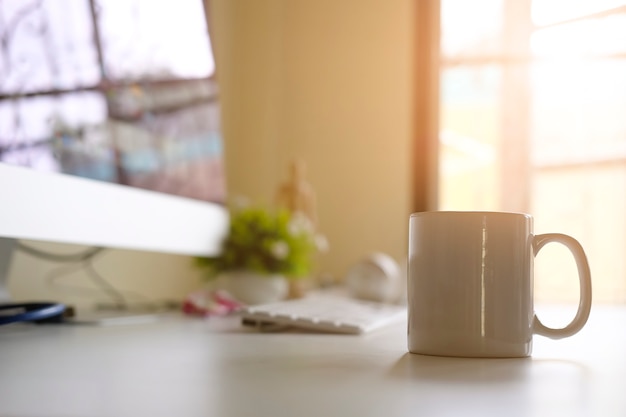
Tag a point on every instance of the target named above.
point(532, 118)
point(119, 91)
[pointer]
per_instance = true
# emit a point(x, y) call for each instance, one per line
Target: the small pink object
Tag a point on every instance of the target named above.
point(207, 303)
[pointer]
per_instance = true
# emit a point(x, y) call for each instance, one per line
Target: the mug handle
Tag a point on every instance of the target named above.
point(584, 275)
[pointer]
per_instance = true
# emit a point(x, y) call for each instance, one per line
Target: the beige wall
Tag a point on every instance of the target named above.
point(325, 80)
point(329, 82)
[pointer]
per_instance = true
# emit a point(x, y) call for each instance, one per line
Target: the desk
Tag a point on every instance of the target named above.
point(186, 367)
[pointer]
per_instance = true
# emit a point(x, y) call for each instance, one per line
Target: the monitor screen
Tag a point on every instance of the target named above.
point(110, 126)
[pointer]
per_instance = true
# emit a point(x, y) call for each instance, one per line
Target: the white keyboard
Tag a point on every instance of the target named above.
point(327, 313)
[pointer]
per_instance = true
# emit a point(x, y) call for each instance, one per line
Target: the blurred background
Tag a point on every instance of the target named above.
point(532, 100)
point(396, 106)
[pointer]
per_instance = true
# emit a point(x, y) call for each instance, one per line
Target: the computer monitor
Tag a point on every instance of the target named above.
point(123, 118)
point(63, 208)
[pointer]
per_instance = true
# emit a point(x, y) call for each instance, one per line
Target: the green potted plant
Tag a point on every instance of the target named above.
point(262, 250)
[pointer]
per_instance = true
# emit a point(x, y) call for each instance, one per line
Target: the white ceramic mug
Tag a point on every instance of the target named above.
point(470, 284)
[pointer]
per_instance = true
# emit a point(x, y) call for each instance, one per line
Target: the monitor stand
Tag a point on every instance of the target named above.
point(7, 246)
point(7, 249)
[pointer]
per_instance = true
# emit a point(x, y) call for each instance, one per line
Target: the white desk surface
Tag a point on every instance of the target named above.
point(188, 367)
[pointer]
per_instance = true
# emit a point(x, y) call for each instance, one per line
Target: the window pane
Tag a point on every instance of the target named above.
point(155, 39)
point(545, 12)
point(470, 105)
point(471, 27)
point(579, 174)
point(152, 125)
point(578, 112)
point(167, 138)
point(593, 37)
point(554, 130)
point(587, 202)
point(48, 46)
point(33, 131)
point(177, 149)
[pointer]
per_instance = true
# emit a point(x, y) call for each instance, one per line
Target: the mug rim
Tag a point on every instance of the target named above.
point(471, 213)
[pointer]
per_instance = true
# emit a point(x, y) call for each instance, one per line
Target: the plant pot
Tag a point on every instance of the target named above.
point(254, 288)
